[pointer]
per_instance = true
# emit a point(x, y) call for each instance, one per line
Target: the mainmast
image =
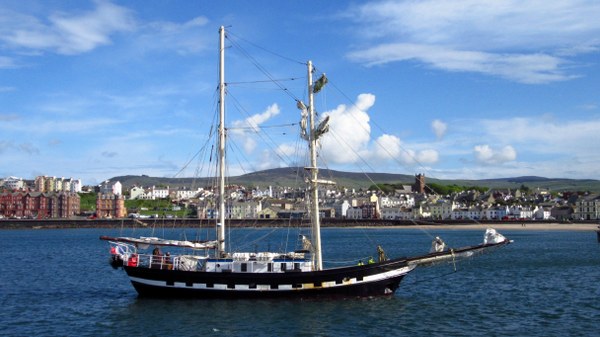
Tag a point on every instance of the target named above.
point(314, 187)
point(221, 221)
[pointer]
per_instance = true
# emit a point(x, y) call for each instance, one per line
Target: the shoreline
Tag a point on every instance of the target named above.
point(196, 223)
point(503, 226)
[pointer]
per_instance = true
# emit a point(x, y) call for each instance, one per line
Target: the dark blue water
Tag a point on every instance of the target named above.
point(58, 283)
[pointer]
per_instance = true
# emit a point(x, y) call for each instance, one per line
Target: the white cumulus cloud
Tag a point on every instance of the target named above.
point(245, 129)
point(439, 128)
point(428, 156)
point(412, 157)
point(350, 140)
point(387, 147)
point(350, 131)
point(486, 155)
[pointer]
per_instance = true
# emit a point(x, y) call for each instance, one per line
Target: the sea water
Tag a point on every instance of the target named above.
point(59, 283)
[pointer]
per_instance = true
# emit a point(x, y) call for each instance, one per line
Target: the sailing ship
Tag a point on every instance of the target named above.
point(214, 272)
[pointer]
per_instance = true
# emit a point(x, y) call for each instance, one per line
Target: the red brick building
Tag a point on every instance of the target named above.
point(369, 211)
point(38, 205)
point(110, 205)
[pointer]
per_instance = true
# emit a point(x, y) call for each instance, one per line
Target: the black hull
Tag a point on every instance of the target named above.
point(379, 279)
point(115, 261)
point(384, 288)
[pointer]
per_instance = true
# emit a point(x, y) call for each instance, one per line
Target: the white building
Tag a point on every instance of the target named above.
point(58, 184)
point(388, 202)
point(402, 200)
point(354, 213)
point(66, 185)
point(494, 213)
point(136, 192)
point(442, 209)
point(420, 211)
point(243, 210)
point(541, 213)
point(520, 212)
point(587, 208)
point(392, 213)
point(472, 213)
point(14, 183)
point(341, 208)
point(187, 194)
point(151, 193)
point(76, 185)
point(258, 193)
point(159, 193)
point(109, 187)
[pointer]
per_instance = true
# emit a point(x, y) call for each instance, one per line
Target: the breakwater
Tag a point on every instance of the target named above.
point(206, 223)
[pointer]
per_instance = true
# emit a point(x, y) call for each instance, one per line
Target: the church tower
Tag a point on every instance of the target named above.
point(419, 186)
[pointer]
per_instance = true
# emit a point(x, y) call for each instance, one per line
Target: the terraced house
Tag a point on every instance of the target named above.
point(587, 208)
point(38, 205)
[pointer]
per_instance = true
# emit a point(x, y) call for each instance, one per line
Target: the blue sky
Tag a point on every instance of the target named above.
point(452, 89)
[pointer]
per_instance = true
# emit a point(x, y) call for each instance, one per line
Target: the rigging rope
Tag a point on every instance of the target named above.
point(265, 81)
point(265, 49)
point(385, 149)
point(261, 127)
point(232, 38)
point(267, 139)
point(261, 68)
point(391, 156)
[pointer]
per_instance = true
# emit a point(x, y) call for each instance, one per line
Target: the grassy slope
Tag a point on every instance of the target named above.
point(295, 177)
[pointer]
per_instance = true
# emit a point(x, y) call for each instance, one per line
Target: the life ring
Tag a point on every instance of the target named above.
point(133, 261)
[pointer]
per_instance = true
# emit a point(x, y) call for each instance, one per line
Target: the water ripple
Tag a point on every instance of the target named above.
point(545, 284)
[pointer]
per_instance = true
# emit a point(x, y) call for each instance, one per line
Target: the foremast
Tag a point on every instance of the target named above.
point(221, 221)
point(314, 172)
point(312, 136)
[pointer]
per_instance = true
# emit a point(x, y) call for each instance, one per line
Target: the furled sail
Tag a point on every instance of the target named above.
point(303, 120)
point(320, 83)
point(437, 245)
point(322, 128)
point(492, 236)
point(147, 241)
point(306, 244)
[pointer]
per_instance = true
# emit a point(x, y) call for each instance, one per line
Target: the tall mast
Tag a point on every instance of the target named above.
point(316, 225)
point(221, 223)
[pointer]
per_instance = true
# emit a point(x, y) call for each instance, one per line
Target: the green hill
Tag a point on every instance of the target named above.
point(295, 177)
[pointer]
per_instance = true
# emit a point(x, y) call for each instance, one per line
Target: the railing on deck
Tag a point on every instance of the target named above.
point(165, 262)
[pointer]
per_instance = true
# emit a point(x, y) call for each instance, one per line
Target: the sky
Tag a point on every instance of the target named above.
point(452, 89)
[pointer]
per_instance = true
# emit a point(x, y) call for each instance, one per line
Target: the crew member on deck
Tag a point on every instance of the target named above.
point(157, 258)
point(168, 263)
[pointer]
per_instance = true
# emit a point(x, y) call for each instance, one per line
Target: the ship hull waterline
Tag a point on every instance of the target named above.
point(378, 279)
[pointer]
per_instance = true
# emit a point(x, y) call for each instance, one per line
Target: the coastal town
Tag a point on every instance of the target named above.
point(59, 198)
point(168, 168)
